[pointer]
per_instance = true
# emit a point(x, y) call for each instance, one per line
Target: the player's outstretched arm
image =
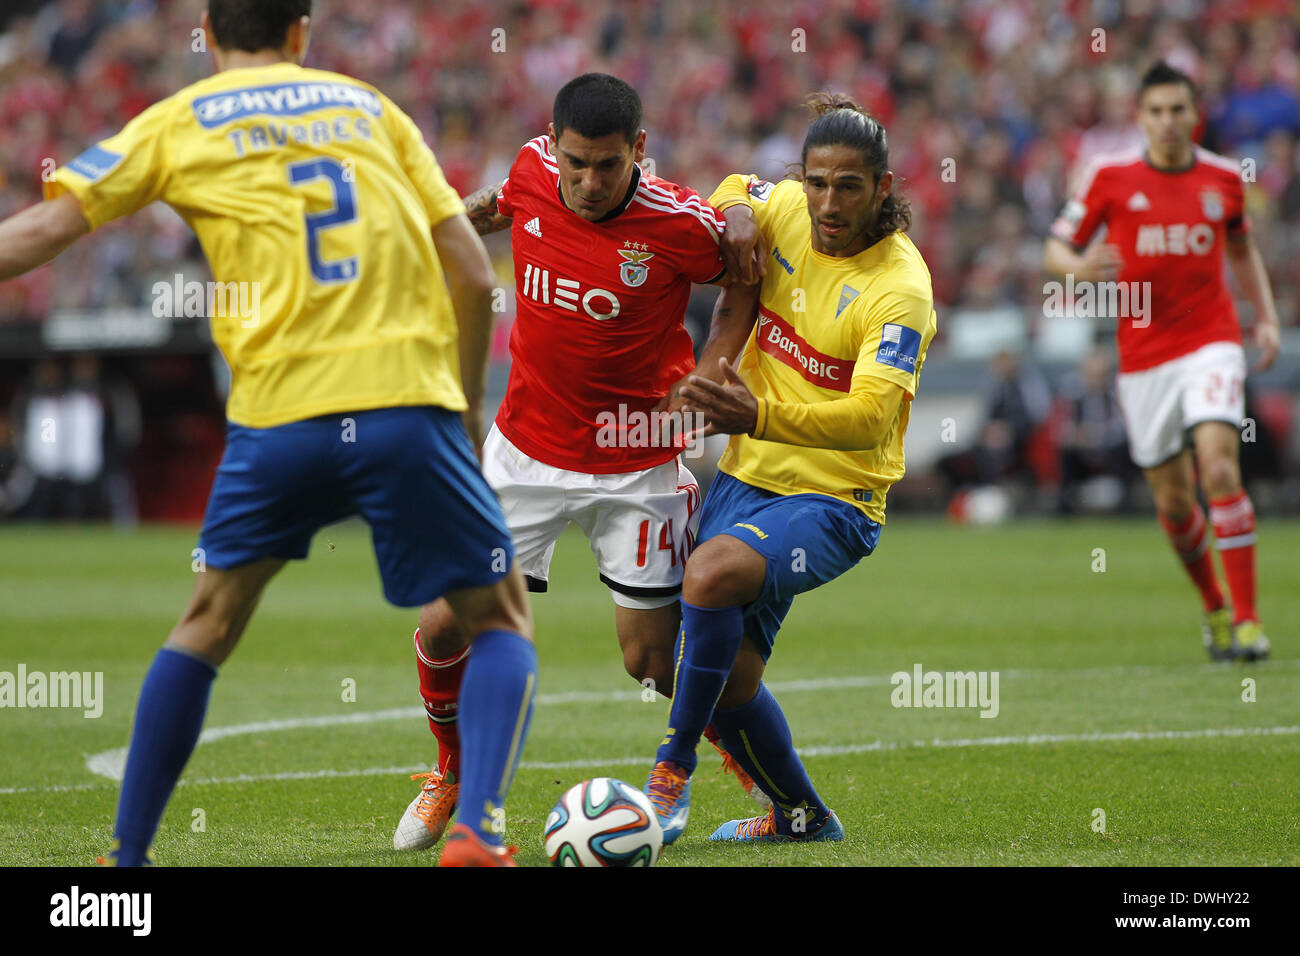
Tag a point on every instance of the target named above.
point(36, 235)
point(1100, 262)
point(481, 207)
point(856, 423)
point(734, 312)
point(468, 269)
point(1248, 268)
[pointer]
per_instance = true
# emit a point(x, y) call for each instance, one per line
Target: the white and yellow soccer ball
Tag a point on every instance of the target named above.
point(603, 822)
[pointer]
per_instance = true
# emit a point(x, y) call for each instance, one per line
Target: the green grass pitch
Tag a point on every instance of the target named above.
point(1107, 703)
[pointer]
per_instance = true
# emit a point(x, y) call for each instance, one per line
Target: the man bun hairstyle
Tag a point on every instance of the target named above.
point(840, 121)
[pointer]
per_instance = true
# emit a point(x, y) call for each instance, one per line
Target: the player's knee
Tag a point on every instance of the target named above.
point(740, 689)
point(502, 608)
point(1175, 503)
point(208, 630)
point(441, 635)
point(1220, 476)
point(711, 583)
point(650, 669)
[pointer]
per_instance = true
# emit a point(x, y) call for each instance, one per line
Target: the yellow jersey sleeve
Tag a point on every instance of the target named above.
point(856, 423)
point(439, 199)
point(123, 173)
point(897, 328)
point(753, 192)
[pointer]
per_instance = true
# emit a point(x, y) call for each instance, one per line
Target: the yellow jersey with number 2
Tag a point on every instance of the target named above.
point(313, 197)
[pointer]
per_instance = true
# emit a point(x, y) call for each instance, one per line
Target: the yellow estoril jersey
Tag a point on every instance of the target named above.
point(827, 327)
point(313, 197)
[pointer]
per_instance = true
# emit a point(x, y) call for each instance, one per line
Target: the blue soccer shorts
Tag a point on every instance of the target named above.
point(410, 472)
point(806, 539)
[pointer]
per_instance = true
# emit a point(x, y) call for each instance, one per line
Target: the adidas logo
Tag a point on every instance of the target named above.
point(1138, 201)
point(534, 227)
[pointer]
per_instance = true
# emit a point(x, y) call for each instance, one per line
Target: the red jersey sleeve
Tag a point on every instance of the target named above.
point(1238, 223)
point(504, 206)
point(1085, 211)
point(701, 259)
point(703, 254)
point(522, 171)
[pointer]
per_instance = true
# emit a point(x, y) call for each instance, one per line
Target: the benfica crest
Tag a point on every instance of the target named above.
point(1212, 205)
point(634, 271)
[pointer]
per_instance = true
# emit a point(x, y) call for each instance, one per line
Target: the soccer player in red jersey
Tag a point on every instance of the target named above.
point(1171, 212)
point(604, 257)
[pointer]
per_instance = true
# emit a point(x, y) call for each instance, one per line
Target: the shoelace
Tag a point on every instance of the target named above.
point(758, 826)
point(732, 766)
point(664, 788)
point(432, 791)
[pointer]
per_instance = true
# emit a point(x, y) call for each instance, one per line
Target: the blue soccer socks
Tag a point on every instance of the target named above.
point(496, 704)
point(706, 650)
point(168, 718)
point(758, 736)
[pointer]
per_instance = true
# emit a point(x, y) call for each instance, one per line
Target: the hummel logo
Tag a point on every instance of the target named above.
point(1138, 201)
point(534, 227)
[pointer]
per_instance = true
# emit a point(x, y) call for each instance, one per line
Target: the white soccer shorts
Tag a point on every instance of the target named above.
point(641, 525)
point(1161, 403)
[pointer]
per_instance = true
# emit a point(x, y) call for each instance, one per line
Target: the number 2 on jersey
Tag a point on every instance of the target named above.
point(343, 211)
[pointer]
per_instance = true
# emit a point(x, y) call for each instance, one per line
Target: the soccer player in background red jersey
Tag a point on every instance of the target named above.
point(604, 257)
point(1171, 212)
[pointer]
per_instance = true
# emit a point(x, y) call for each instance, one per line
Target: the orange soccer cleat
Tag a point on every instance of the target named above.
point(464, 848)
point(424, 820)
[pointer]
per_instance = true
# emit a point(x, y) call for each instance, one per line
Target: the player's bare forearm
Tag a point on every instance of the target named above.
point(471, 283)
point(743, 247)
point(1252, 277)
point(1101, 261)
point(1248, 268)
point(734, 313)
point(1059, 259)
point(36, 235)
point(481, 208)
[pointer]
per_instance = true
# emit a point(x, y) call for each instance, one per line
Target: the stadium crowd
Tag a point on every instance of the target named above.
point(990, 108)
point(1013, 93)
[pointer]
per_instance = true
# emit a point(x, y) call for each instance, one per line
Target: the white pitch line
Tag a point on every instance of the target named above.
point(831, 750)
point(112, 763)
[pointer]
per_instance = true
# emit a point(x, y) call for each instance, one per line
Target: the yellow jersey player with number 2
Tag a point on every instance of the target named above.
point(817, 411)
point(363, 299)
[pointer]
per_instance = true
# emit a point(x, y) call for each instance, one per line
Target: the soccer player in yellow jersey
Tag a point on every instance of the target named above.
point(817, 409)
point(316, 200)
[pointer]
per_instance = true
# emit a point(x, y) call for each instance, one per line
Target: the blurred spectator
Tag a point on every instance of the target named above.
point(76, 435)
point(1018, 402)
point(988, 106)
point(16, 479)
point(1092, 442)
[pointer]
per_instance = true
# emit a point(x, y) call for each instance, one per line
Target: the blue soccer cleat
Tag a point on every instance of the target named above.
point(763, 830)
point(669, 790)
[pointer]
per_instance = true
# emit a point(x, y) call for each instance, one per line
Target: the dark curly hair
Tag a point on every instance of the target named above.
point(842, 122)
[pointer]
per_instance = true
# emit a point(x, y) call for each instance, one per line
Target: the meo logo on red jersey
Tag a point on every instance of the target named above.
point(540, 286)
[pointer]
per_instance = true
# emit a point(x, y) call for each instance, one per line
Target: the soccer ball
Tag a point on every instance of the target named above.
point(603, 822)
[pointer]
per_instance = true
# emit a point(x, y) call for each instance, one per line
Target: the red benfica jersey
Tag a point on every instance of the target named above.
point(598, 338)
point(1170, 227)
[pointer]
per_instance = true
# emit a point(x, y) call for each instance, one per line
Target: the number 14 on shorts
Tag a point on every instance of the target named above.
point(666, 543)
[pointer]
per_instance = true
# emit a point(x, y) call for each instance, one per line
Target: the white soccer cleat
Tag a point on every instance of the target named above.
point(427, 816)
